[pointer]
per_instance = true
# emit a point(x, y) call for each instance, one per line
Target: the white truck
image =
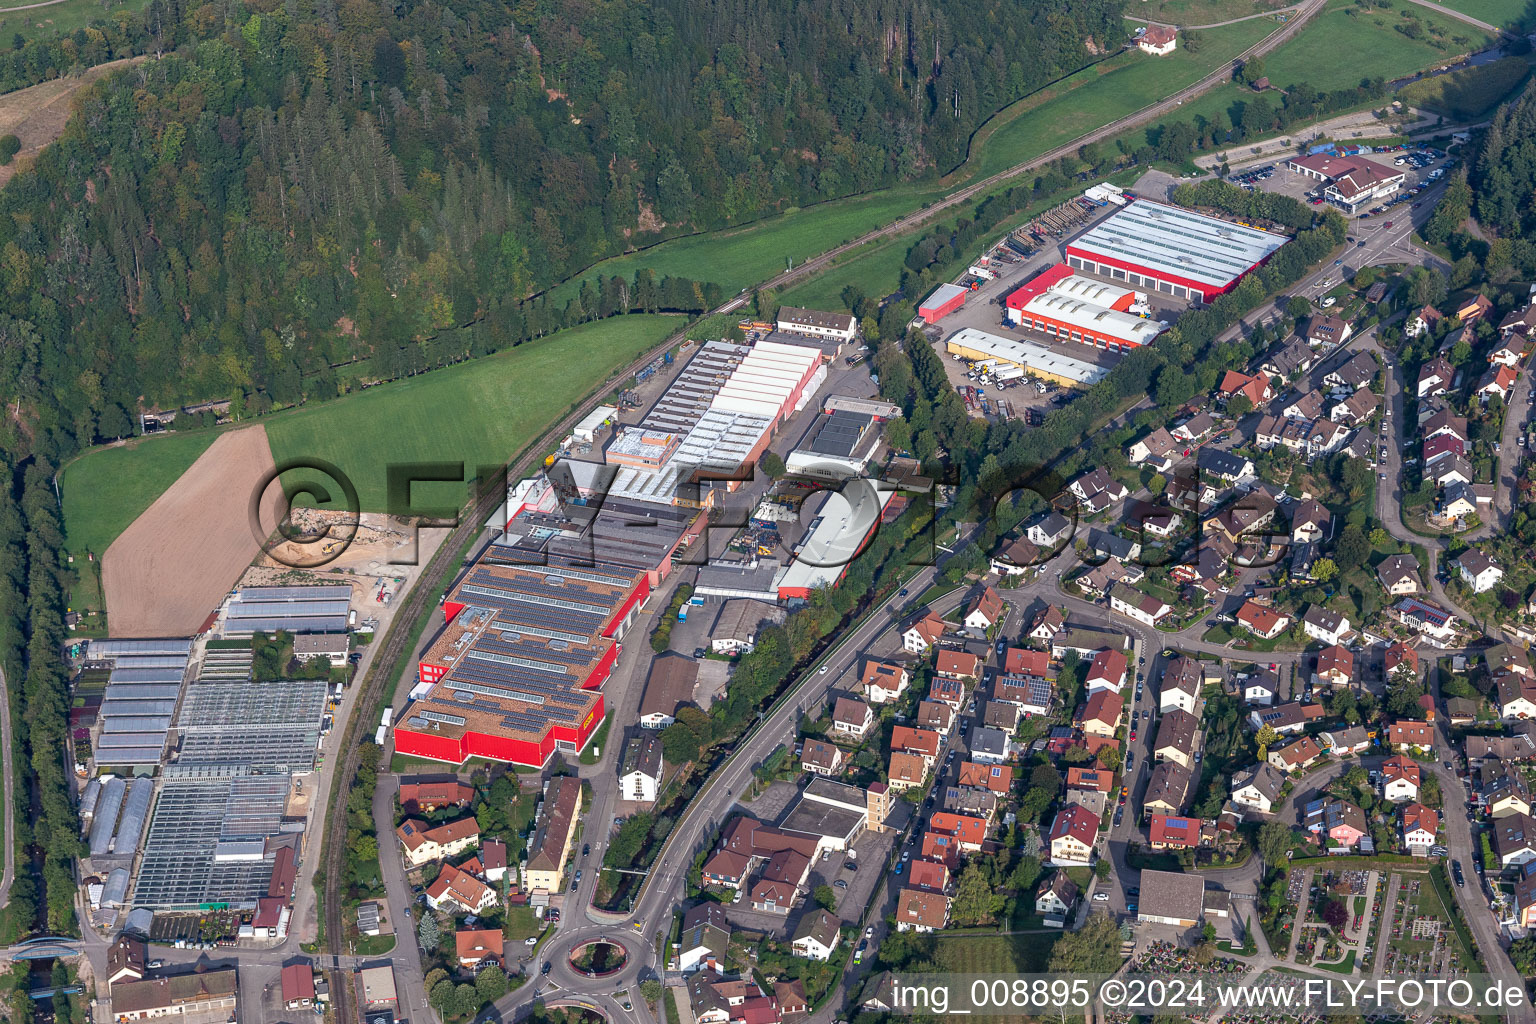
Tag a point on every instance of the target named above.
point(1009, 373)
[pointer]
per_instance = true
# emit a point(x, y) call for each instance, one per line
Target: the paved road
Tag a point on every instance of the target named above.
point(1451, 12)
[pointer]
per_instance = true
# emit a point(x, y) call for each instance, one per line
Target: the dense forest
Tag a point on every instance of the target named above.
point(1501, 191)
point(298, 185)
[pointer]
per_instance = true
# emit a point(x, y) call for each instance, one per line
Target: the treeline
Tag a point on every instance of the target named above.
point(929, 258)
point(33, 580)
point(1500, 189)
point(306, 186)
point(126, 33)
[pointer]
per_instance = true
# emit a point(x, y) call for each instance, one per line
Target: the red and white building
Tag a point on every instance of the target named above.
point(1069, 306)
point(1174, 251)
point(946, 298)
point(517, 672)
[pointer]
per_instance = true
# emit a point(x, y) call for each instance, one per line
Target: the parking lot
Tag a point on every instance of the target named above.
point(1421, 167)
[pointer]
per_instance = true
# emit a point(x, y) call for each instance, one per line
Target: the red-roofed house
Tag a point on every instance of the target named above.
point(928, 874)
point(478, 946)
point(941, 847)
point(996, 777)
point(1261, 620)
point(1255, 387)
point(1406, 735)
point(884, 682)
point(1107, 671)
point(1419, 827)
point(1173, 833)
point(957, 665)
point(1072, 836)
point(968, 831)
point(921, 742)
point(1021, 661)
point(1101, 714)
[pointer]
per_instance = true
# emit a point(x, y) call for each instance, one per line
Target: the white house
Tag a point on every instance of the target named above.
point(921, 635)
point(1158, 40)
point(1141, 607)
point(1049, 530)
point(1479, 571)
point(1258, 788)
point(1419, 827)
point(1400, 777)
point(817, 936)
point(1183, 678)
point(1320, 623)
point(641, 772)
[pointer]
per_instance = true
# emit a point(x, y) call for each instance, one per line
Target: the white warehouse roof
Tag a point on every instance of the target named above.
point(722, 441)
point(767, 379)
point(1100, 293)
point(840, 529)
point(1078, 313)
point(1166, 240)
point(1028, 356)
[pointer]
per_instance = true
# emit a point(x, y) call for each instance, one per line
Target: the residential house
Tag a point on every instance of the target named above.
point(1261, 687)
point(1445, 422)
point(1400, 779)
point(1142, 607)
point(457, 891)
point(1225, 466)
point(1168, 833)
point(1308, 406)
point(1498, 382)
point(1442, 446)
point(1030, 694)
point(1100, 714)
point(822, 758)
point(424, 844)
point(907, 771)
point(1329, 331)
point(1159, 448)
point(1435, 377)
point(991, 745)
point(921, 742)
point(642, 769)
point(1158, 40)
point(1525, 897)
point(1285, 718)
point(423, 796)
point(995, 778)
point(1399, 575)
point(1335, 666)
point(1511, 352)
point(1107, 671)
point(985, 609)
point(550, 845)
point(1046, 623)
point(852, 718)
point(1001, 716)
point(1406, 735)
point(1048, 530)
point(1254, 387)
point(1355, 409)
point(1474, 308)
point(957, 665)
point(1340, 822)
point(1296, 755)
point(1423, 320)
point(1097, 491)
point(1349, 740)
point(1453, 470)
point(816, 936)
point(1072, 836)
point(1018, 558)
point(922, 634)
point(1262, 620)
point(929, 875)
point(1056, 895)
point(1514, 840)
point(1167, 789)
point(919, 911)
point(1289, 360)
point(1516, 697)
point(884, 682)
point(1258, 788)
point(202, 995)
point(935, 716)
point(969, 831)
point(1310, 522)
point(476, 947)
point(1324, 624)
point(1182, 681)
point(1502, 789)
point(1195, 428)
point(1480, 572)
point(1176, 734)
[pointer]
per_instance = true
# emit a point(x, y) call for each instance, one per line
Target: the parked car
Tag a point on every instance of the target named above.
point(1101, 897)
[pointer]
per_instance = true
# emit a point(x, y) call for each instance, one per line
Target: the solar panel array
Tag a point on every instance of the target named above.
point(107, 650)
point(840, 433)
point(294, 609)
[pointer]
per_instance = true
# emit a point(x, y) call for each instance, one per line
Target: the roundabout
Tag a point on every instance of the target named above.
point(598, 958)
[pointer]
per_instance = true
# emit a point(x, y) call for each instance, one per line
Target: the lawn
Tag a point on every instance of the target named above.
point(522, 925)
point(992, 954)
point(1204, 12)
point(58, 19)
point(741, 257)
point(1105, 92)
point(1375, 47)
point(479, 413)
point(1505, 13)
point(105, 489)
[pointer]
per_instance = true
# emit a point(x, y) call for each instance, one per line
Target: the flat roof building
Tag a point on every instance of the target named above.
point(1070, 306)
point(321, 609)
point(1028, 356)
point(516, 673)
point(1171, 250)
point(837, 535)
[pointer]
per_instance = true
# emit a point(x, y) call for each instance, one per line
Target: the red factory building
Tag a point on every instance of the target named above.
point(517, 671)
point(1068, 306)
